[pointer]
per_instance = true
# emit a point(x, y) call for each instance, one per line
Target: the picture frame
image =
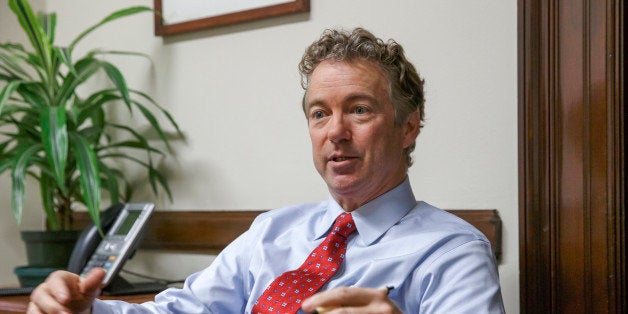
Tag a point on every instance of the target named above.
point(182, 16)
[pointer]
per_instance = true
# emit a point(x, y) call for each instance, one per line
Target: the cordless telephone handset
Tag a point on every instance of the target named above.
point(120, 240)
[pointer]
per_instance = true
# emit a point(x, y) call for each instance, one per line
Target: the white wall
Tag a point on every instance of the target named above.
point(235, 91)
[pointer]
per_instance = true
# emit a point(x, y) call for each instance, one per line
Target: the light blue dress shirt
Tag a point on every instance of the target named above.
point(436, 262)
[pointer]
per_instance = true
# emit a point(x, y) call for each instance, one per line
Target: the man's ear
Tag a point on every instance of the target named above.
point(411, 128)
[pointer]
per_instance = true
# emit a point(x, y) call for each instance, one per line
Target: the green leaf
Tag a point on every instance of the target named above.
point(6, 92)
point(17, 178)
point(95, 102)
point(118, 52)
point(153, 122)
point(154, 174)
point(13, 48)
point(55, 139)
point(111, 183)
point(92, 134)
point(141, 139)
point(85, 68)
point(11, 66)
point(26, 127)
point(164, 111)
point(89, 178)
point(63, 54)
point(113, 16)
point(35, 33)
point(34, 94)
point(134, 144)
point(49, 23)
point(118, 80)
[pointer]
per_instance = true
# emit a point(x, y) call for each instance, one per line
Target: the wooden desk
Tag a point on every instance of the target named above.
point(18, 303)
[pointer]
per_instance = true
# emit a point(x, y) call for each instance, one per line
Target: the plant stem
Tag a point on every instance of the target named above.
point(64, 211)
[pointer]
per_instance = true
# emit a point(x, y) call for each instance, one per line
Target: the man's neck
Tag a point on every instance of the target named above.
point(351, 202)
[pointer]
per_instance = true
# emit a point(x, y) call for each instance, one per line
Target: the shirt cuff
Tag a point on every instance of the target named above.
point(99, 306)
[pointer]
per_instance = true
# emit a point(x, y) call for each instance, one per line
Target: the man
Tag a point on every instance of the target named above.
point(364, 108)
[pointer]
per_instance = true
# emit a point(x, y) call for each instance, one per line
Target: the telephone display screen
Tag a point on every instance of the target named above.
point(127, 224)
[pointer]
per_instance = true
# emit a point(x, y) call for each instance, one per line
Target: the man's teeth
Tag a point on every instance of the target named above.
point(339, 159)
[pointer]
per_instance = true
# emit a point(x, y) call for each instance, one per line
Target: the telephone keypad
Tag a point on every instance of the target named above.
point(99, 260)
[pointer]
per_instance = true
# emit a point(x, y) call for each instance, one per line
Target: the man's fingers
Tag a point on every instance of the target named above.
point(59, 284)
point(48, 307)
point(343, 297)
point(33, 309)
point(46, 300)
point(65, 292)
point(355, 310)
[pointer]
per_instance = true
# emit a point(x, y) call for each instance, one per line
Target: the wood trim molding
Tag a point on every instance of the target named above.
point(210, 231)
point(572, 156)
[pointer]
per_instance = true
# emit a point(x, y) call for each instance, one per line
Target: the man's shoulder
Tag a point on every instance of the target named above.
point(429, 218)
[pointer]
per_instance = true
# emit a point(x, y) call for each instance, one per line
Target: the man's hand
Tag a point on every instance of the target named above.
point(350, 300)
point(65, 292)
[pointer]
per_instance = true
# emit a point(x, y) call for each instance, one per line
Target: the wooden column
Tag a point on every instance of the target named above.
point(572, 156)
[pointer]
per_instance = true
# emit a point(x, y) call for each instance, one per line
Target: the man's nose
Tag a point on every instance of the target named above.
point(338, 129)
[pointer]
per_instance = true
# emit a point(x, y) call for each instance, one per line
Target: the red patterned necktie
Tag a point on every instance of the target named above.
point(286, 292)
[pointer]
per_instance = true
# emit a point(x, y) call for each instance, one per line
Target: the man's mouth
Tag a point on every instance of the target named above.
point(340, 158)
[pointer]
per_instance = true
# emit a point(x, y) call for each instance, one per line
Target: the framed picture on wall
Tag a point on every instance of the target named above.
point(182, 16)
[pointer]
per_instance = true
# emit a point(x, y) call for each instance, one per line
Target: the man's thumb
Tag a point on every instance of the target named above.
point(90, 285)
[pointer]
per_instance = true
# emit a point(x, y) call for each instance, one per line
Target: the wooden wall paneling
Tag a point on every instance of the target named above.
point(621, 182)
point(208, 232)
point(571, 153)
point(534, 156)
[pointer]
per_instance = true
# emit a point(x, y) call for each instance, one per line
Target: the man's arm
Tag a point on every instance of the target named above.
point(66, 292)
point(462, 280)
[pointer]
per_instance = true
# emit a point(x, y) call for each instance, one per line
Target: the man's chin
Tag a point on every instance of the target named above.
point(343, 185)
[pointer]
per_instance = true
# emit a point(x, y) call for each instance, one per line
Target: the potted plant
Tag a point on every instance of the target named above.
point(67, 139)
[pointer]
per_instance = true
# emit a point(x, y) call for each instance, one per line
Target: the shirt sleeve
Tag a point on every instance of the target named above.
point(462, 280)
point(220, 288)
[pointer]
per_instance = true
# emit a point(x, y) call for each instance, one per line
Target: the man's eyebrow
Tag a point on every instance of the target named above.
point(349, 98)
point(361, 96)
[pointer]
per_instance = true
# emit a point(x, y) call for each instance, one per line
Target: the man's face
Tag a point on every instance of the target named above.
point(356, 146)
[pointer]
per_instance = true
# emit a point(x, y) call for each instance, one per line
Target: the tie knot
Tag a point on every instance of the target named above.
point(344, 225)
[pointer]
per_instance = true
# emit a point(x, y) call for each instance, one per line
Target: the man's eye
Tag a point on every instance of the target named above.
point(360, 110)
point(318, 114)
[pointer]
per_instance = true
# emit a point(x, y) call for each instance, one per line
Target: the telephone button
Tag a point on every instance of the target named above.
point(109, 247)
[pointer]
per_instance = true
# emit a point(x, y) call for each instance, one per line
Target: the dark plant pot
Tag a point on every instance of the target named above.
point(32, 276)
point(49, 249)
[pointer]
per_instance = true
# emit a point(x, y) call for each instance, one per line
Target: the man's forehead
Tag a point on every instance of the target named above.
point(358, 78)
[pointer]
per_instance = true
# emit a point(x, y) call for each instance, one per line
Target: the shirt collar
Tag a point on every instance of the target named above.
point(374, 218)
